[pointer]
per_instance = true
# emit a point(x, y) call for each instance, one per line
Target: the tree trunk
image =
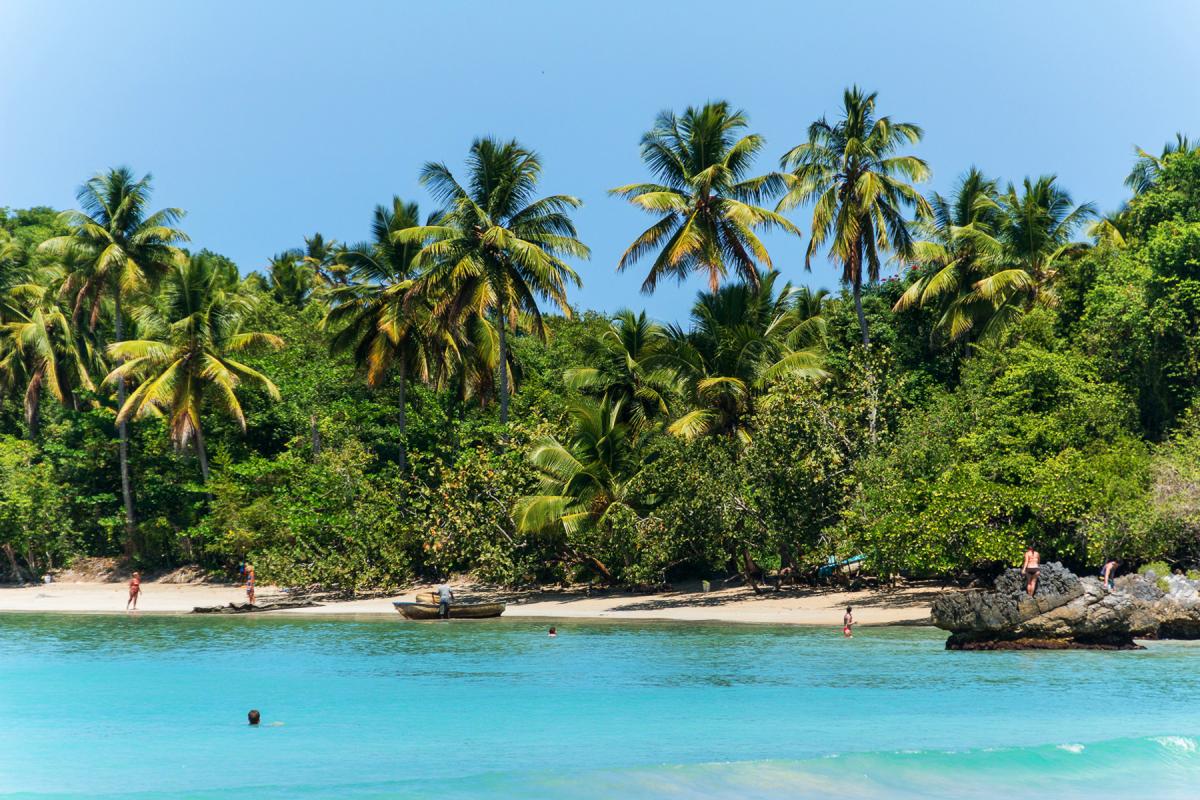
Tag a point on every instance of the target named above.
point(316, 436)
point(503, 367)
point(403, 417)
point(862, 318)
point(201, 452)
point(123, 438)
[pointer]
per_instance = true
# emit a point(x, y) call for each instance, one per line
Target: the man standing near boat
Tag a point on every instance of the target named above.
point(445, 597)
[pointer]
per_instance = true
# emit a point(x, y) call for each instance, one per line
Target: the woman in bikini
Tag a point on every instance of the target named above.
point(848, 623)
point(250, 583)
point(135, 588)
point(1030, 566)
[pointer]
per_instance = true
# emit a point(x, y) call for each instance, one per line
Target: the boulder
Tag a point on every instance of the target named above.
point(1070, 612)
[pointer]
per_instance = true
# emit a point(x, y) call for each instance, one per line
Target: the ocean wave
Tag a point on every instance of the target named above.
point(1165, 767)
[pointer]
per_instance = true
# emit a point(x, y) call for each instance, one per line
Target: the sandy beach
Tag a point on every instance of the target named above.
point(795, 607)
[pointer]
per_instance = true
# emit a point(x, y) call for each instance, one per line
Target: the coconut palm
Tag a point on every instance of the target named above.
point(705, 198)
point(374, 314)
point(320, 255)
point(290, 278)
point(583, 480)
point(495, 249)
point(120, 247)
point(743, 337)
point(1147, 168)
point(629, 366)
point(185, 355)
point(947, 254)
point(39, 349)
point(1034, 231)
point(859, 187)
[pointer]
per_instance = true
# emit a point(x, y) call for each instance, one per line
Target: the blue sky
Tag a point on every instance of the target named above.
point(267, 121)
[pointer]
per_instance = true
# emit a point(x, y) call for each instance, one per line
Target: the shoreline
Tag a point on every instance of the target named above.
point(813, 607)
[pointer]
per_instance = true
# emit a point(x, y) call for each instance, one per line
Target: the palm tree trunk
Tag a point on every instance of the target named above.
point(123, 438)
point(403, 417)
point(503, 367)
point(201, 452)
point(862, 318)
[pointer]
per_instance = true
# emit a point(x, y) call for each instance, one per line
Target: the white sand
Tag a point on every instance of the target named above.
point(800, 607)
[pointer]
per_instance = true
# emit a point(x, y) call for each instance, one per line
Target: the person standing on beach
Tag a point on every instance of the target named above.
point(250, 583)
point(848, 623)
point(1030, 566)
point(135, 588)
point(445, 597)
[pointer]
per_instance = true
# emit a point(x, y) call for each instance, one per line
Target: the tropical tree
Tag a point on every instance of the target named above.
point(949, 260)
point(320, 255)
point(495, 249)
point(1147, 168)
point(584, 480)
point(743, 337)
point(290, 278)
point(859, 187)
point(374, 314)
point(705, 199)
point(39, 349)
point(1033, 237)
point(119, 247)
point(629, 364)
point(189, 335)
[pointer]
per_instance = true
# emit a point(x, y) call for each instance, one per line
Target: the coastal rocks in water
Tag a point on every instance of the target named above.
point(1070, 612)
point(246, 608)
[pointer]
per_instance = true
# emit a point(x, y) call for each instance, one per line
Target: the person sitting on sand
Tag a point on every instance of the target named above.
point(847, 623)
point(250, 583)
point(135, 588)
point(445, 597)
point(1107, 572)
point(1030, 567)
point(254, 716)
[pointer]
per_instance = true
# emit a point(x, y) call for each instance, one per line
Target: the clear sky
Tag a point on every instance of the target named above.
point(268, 121)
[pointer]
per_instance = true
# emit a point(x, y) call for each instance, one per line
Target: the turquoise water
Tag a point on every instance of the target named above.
point(155, 706)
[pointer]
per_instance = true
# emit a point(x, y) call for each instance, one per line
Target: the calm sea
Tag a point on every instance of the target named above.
point(156, 707)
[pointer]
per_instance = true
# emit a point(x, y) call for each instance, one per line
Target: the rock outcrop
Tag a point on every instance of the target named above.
point(1070, 612)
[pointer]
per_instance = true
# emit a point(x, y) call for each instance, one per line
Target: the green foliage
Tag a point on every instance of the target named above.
point(34, 525)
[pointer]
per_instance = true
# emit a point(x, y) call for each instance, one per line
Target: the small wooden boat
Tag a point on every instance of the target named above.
point(457, 610)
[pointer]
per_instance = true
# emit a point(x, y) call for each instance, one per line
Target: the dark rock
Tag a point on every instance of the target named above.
point(1069, 612)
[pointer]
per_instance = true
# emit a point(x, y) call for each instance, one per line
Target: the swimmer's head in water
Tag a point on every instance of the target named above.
point(254, 716)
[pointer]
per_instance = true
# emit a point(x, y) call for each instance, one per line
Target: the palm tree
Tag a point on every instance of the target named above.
point(583, 480)
point(630, 368)
point(291, 279)
point(850, 171)
point(374, 314)
point(743, 337)
point(1147, 168)
point(320, 255)
point(495, 249)
point(39, 349)
point(185, 356)
point(705, 199)
point(1034, 230)
point(123, 248)
point(947, 253)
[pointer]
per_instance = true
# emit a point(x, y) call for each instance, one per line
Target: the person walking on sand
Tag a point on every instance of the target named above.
point(135, 588)
point(1030, 567)
point(1107, 572)
point(250, 583)
point(848, 623)
point(445, 597)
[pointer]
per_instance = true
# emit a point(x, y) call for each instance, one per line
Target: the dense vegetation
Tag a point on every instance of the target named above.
point(359, 414)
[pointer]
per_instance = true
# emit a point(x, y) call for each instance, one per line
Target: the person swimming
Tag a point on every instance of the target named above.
point(847, 623)
point(135, 589)
point(553, 632)
point(254, 717)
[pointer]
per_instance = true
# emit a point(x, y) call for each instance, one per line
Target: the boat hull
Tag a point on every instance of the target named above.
point(464, 611)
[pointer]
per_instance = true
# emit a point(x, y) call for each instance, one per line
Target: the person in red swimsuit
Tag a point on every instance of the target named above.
point(135, 588)
point(848, 623)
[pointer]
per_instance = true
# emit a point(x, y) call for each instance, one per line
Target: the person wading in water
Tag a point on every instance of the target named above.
point(1030, 567)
